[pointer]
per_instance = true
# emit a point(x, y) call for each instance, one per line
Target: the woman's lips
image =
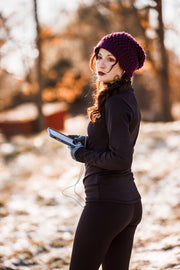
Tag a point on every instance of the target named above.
point(100, 73)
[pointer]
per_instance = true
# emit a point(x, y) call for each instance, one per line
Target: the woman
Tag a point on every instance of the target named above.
point(113, 204)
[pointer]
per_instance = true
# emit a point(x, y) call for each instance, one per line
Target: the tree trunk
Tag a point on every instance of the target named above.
point(40, 119)
point(163, 71)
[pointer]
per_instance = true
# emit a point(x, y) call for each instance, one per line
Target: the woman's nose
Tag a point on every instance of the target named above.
point(101, 64)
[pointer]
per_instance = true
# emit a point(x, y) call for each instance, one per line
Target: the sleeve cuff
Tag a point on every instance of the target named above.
point(78, 153)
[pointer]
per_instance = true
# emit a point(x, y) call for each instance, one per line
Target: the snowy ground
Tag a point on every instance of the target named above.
point(37, 220)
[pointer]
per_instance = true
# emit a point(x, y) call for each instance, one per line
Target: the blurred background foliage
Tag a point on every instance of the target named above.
point(59, 71)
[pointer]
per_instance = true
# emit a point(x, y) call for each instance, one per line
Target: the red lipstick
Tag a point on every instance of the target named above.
point(100, 73)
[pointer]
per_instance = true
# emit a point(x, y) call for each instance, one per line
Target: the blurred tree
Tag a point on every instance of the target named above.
point(40, 119)
point(63, 73)
point(63, 83)
point(83, 31)
point(64, 69)
point(8, 85)
point(4, 31)
point(163, 68)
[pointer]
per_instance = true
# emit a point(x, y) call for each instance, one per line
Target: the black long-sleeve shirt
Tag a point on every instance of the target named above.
point(109, 152)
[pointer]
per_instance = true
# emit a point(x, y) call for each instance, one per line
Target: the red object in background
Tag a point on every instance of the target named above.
point(9, 128)
point(55, 120)
point(22, 119)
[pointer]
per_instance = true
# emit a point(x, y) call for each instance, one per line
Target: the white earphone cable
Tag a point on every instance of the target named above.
point(74, 186)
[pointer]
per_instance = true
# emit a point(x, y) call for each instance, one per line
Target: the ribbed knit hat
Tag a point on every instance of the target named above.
point(125, 49)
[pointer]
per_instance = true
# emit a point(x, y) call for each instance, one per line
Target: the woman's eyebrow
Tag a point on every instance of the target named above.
point(107, 55)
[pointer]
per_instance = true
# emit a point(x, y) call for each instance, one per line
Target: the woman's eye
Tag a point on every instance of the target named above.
point(111, 59)
point(98, 57)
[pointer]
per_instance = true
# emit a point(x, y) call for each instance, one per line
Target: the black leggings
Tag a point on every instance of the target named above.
point(105, 236)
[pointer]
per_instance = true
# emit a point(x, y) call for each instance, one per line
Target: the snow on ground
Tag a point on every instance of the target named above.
point(39, 209)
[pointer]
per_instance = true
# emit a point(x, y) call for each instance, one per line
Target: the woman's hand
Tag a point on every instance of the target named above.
point(79, 138)
point(74, 149)
point(80, 142)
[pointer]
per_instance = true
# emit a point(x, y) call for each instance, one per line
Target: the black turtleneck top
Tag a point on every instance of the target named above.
point(109, 152)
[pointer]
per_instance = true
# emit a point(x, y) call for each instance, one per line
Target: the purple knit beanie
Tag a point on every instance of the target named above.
point(125, 49)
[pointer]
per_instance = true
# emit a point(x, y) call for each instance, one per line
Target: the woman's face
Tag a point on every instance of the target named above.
point(107, 67)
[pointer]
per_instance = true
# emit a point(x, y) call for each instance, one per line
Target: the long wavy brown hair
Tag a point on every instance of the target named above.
point(105, 90)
